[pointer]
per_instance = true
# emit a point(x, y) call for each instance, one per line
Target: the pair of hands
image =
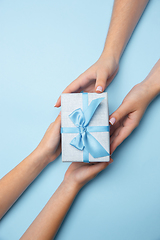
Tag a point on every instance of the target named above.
point(78, 174)
point(127, 117)
point(123, 121)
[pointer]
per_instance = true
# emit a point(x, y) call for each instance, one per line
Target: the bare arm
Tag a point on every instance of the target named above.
point(13, 184)
point(125, 16)
point(48, 221)
point(17, 180)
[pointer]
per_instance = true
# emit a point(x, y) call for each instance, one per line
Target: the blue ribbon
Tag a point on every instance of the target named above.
point(84, 140)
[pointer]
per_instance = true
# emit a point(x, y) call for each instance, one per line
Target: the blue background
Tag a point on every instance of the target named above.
point(44, 45)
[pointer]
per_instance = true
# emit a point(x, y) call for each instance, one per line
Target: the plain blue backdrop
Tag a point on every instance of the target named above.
point(44, 45)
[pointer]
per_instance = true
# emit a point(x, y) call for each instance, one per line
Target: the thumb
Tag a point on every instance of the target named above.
point(101, 82)
point(57, 122)
point(121, 112)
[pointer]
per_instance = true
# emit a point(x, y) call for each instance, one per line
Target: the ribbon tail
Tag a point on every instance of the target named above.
point(77, 142)
point(93, 146)
point(88, 113)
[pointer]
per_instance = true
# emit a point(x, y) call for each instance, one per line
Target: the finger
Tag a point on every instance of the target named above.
point(118, 124)
point(75, 86)
point(104, 80)
point(109, 80)
point(56, 124)
point(101, 80)
point(114, 127)
point(96, 168)
point(58, 103)
point(115, 134)
point(121, 112)
point(122, 135)
point(58, 151)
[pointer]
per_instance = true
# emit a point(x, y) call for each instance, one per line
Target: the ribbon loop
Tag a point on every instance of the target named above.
point(77, 117)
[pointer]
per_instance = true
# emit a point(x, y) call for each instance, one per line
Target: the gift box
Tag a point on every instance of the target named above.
point(85, 127)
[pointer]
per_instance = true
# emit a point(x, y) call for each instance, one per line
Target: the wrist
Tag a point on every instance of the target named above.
point(112, 48)
point(71, 186)
point(152, 81)
point(108, 53)
point(152, 86)
point(40, 157)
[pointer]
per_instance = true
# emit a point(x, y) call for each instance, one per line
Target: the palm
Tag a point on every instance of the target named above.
point(81, 173)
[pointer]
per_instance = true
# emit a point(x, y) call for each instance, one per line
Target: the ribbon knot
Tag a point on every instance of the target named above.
point(82, 129)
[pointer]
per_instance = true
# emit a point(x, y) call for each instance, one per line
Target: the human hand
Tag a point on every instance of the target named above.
point(78, 174)
point(96, 78)
point(127, 117)
point(49, 147)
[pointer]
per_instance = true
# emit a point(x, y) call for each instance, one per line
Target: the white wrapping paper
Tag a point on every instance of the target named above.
point(71, 102)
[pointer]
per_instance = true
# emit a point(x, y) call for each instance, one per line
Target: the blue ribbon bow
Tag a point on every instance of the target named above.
point(84, 140)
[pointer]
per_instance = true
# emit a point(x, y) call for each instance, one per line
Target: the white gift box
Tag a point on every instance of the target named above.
point(69, 103)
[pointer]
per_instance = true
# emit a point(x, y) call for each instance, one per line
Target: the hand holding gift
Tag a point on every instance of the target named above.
point(127, 117)
point(48, 221)
point(16, 181)
point(102, 72)
point(13, 184)
point(96, 78)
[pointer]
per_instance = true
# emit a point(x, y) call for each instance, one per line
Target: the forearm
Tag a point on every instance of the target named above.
point(152, 82)
point(125, 16)
point(13, 184)
point(48, 221)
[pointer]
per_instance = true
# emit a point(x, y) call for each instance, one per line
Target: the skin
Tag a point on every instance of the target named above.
point(50, 218)
point(127, 117)
point(125, 16)
point(130, 112)
point(13, 184)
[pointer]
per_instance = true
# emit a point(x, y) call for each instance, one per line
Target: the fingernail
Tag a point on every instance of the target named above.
point(59, 113)
point(99, 88)
point(112, 120)
point(55, 104)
